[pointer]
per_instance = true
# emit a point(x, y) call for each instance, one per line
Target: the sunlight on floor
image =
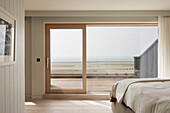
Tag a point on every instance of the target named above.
point(66, 106)
point(98, 103)
point(30, 104)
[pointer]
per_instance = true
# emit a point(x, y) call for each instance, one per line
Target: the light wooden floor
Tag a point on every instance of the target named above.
point(67, 106)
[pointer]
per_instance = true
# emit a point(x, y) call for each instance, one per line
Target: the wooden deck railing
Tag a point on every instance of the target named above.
point(93, 68)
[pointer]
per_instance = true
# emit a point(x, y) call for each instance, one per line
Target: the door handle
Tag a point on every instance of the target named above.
point(47, 62)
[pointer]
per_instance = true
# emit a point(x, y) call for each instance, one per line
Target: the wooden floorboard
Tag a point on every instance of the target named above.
point(68, 106)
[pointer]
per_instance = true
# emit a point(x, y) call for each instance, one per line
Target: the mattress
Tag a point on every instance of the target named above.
point(141, 96)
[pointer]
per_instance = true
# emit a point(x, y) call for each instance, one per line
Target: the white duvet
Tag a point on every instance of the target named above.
point(142, 96)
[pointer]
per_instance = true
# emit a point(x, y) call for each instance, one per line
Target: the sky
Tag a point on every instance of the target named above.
point(102, 42)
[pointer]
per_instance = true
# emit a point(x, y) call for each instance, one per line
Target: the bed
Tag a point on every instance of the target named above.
point(141, 96)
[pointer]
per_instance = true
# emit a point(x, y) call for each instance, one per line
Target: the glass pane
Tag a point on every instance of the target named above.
point(66, 58)
point(111, 51)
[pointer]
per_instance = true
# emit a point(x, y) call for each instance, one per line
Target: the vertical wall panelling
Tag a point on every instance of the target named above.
point(18, 61)
point(22, 84)
point(11, 6)
point(7, 5)
point(149, 62)
point(12, 76)
point(15, 5)
point(16, 71)
point(11, 89)
point(2, 3)
point(15, 68)
point(2, 89)
point(7, 85)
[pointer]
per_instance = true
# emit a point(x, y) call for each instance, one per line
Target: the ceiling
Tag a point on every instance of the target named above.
point(97, 5)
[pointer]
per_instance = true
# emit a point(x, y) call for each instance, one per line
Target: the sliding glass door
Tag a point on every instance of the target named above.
point(113, 53)
point(65, 58)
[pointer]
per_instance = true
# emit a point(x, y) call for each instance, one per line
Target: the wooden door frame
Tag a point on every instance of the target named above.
point(47, 55)
point(77, 26)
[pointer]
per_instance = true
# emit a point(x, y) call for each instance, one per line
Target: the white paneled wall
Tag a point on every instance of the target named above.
point(12, 80)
